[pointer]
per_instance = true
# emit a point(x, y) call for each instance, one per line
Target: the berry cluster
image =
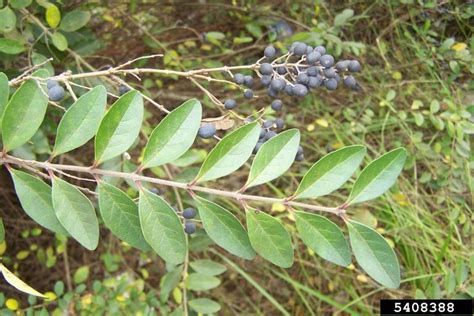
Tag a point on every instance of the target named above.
point(303, 69)
point(55, 91)
point(189, 226)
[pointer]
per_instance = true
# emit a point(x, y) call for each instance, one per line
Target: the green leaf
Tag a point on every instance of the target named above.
point(330, 172)
point(120, 215)
point(201, 282)
point(81, 274)
point(60, 41)
point(20, 4)
point(225, 229)
point(35, 199)
point(7, 20)
point(269, 238)
point(2, 231)
point(169, 281)
point(208, 267)
point(204, 306)
point(81, 121)
point(162, 228)
point(14, 281)
point(230, 153)
point(53, 15)
point(4, 94)
point(274, 157)
point(174, 135)
point(75, 213)
point(11, 47)
point(324, 237)
point(74, 20)
point(23, 115)
point(120, 127)
point(374, 254)
point(378, 176)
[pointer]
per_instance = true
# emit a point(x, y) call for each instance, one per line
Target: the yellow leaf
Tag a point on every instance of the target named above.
point(108, 18)
point(120, 298)
point(310, 128)
point(362, 278)
point(459, 46)
point(337, 145)
point(322, 122)
point(177, 295)
point(401, 199)
point(50, 296)
point(53, 16)
point(17, 283)
point(278, 207)
point(3, 247)
point(22, 255)
point(351, 267)
point(310, 252)
point(86, 299)
point(12, 304)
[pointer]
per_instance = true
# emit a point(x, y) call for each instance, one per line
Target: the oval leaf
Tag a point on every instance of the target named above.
point(11, 47)
point(53, 15)
point(120, 127)
point(174, 135)
point(269, 238)
point(208, 267)
point(274, 157)
point(374, 254)
point(204, 306)
point(75, 213)
point(59, 41)
point(74, 20)
point(4, 94)
point(161, 227)
point(14, 281)
point(23, 114)
point(120, 215)
point(225, 229)
point(330, 172)
point(81, 121)
point(324, 237)
point(378, 176)
point(230, 153)
point(201, 282)
point(36, 199)
point(7, 19)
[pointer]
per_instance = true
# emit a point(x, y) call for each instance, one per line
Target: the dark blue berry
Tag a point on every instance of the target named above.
point(342, 65)
point(300, 90)
point(257, 147)
point(207, 131)
point(277, 105)
point(272, 92)
point(320, 49)
point(229, 104)
point(268, 124)
point(289, 90)
point(248, 81)
point(313, 71)
point(266, 80)
point(51, 83)
point(270, 134)
point(269, 52)
point(313, 57)
point(302, 78)
point(300, 150)
point(123, 89)
point(189, 228)
point(350, 82)
point(56, 93)
point(248, 93)
point(263, 132)
point(300, 49)
point(155, 190)
point(279, 123)
point(189, 213)
point(281, 70)
point(354, 66)
point(330, 73)
point(314, 82)
point(330, 84)
point(326, 61)
point(309, 49)
point(299, 157)
point(239, 78)
point(266, 69)
point(278, 84)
